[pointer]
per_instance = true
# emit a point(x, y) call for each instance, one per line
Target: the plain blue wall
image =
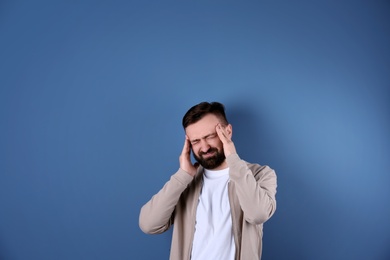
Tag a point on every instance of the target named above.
point(91, 100)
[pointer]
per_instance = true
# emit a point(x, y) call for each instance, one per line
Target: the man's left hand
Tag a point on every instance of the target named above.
point(225, 135)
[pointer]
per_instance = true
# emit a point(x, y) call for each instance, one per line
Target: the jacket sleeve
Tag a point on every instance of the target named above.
point(155, 215)
point(256, 189)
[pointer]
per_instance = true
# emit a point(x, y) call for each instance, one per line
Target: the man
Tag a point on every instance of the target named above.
point(218, 205)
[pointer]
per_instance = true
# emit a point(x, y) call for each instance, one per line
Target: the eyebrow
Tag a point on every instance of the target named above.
point(204, 137)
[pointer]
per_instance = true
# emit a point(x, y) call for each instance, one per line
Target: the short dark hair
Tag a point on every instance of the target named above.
point(197, 112)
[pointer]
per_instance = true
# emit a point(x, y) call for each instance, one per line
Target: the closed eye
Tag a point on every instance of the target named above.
point(193, 142)
point(211, 136)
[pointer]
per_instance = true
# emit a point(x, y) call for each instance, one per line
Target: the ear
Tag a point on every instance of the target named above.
point(229, 130)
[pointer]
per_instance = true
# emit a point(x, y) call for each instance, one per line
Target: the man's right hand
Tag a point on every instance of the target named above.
point(185, 159)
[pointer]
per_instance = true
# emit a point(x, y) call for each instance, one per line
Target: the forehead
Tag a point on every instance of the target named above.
point(203, 127)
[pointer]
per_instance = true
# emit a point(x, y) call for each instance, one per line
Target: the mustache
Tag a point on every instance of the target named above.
point(209, 151)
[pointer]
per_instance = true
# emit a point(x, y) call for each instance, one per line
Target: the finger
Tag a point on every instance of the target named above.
point(221, 133)
point(186, 146)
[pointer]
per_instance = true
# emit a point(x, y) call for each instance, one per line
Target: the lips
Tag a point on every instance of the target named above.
point(208, 155)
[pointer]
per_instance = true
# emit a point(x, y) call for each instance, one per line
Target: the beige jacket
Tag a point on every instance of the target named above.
point(252, 190)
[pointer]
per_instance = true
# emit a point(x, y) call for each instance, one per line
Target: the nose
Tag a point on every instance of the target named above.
point(204, 146)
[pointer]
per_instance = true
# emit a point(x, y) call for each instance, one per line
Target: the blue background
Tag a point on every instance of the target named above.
point(91, 101)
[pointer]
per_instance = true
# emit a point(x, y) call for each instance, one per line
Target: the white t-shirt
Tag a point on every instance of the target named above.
point(213, 237)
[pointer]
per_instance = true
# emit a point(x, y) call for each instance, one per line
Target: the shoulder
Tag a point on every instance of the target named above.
point(260, 170)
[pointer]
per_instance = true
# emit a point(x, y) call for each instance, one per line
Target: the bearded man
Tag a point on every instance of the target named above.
point(218, 205)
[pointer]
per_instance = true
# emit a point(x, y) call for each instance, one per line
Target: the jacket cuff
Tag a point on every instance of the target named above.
point(183, 177)
point(232, 159)
point(238, 168)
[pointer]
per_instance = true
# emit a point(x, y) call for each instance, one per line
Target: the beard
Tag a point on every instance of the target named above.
point(210, 162)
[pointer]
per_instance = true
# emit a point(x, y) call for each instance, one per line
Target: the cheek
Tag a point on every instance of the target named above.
point(195, 149)
point(217, 144)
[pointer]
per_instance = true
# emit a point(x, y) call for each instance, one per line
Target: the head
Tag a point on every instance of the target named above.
point(200, 123)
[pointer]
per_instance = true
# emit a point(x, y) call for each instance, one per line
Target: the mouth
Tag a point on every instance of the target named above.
point(209, 154)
